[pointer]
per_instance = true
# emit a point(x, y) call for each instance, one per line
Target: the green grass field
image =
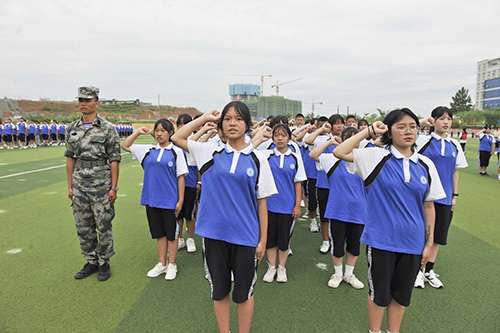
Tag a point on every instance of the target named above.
point(39, 294)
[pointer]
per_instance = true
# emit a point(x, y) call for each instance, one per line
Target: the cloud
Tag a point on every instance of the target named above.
point(363, 54)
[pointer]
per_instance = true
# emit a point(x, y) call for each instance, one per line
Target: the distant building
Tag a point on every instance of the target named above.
point(244, 92)
point(136, 102)
point(273, 106)
point(488, 84)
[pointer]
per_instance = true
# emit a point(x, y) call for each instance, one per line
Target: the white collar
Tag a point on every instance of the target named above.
point(277, 152)
point(438, 137)
point(167, 147)
point(398, 155)
point(247, 150)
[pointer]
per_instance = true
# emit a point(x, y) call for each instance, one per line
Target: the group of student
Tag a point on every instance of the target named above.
point(24, 135)
point(381, 184)
point(124, 130)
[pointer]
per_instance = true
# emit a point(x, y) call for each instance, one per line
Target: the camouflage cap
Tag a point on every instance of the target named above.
point(88, 92)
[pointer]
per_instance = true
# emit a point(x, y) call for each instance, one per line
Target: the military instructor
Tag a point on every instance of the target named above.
point(92, 165)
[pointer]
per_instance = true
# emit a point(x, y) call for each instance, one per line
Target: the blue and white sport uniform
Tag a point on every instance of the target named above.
point(309, 164)
point(347, 196)
point(162, 167)
point(287, 170)
point(269, 145)
point(485, 142)
point(447, 155)
point(397, 188)
point(232, 182)
point(321, 178)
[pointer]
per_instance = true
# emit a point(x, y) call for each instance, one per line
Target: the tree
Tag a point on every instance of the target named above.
point(462, 101)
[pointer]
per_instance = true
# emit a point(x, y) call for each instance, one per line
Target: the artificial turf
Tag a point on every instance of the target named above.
point(39, 294)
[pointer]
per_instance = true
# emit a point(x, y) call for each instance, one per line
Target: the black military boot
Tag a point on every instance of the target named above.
point(104, 272)
point(87, 270)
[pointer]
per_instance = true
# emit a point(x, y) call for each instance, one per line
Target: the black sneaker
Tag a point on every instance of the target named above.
point(486, 174)
point(104, 272)
point(86, 271)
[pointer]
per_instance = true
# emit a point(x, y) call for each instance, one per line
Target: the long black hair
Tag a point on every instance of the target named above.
point(166, 124)
point(241, 109)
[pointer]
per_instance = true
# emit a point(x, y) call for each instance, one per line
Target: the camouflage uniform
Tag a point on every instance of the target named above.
point(91, 185)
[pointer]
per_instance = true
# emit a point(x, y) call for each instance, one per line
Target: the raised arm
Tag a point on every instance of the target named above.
point(322, 130)
point(129, 141)
point(207, 127)
point(344, 151)
point(180, 138)
point(316, 152)
point(301, 134)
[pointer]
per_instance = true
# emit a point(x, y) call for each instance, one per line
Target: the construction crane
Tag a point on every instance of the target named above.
point(262, 75)
point(278, 84)
point(320, 103)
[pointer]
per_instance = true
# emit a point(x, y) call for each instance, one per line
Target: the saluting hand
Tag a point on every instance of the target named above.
point(212, 115)
point(379, 127)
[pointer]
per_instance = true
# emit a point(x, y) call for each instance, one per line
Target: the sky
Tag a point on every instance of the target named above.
point(358, 54)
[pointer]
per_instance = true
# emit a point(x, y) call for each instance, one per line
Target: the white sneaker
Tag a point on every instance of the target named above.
point(419, 282)
point(313, 226)
point(306, 215)
point(191, 246)
point(271, 272)
point(157, 270)
point(290, 252)
point(335, 281)
point(181, 244)
point(354, 282)
point(281, 274)
point(432, 279)
point(324, 247)
point(302, 203)
point(171, 272)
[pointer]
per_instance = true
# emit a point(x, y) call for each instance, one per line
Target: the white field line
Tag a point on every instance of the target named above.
point(44, 169)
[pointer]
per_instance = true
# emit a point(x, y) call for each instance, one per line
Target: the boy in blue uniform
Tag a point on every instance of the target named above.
point(486, 149)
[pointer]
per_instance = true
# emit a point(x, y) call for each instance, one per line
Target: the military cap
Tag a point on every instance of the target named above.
point(88, 92)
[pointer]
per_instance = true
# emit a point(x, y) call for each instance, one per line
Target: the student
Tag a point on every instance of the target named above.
point(319, 136)
point(346, 211)
point(448, 157)
point(401, 185)
point(333, 126)
point(8, 130)
point(350, 121)
point(23, 127)
point(463, 138)
point(189, 207)
point(54, 128)
point(362, 124)
point(162, 192)
point(486, 149)
point(232, 216)
point(44, 128)
point(309, 186)
point(283, 208)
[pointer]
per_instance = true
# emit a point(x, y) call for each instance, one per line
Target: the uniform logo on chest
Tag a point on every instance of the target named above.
point(292, 166)
point(453, 154)
point(250, 172)
point(170, 163)
point(423, 180)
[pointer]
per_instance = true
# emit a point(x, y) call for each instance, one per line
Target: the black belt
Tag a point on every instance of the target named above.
point(90, 164)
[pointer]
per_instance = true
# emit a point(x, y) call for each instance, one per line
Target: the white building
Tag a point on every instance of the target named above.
point(487, 69)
